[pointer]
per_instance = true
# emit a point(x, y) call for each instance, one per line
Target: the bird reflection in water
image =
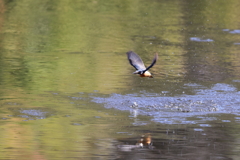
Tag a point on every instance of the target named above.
point(144, 142)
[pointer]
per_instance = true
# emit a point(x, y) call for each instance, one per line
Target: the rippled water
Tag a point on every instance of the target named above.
point(221, 98)
point(67, 90)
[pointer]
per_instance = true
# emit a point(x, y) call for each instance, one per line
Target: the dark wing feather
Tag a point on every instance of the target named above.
point(153, 62)
point(135, 61)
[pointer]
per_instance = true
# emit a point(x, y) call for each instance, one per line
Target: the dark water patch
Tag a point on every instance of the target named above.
point(197, 39)
point(31, 114)
point(225, 30)
point(236, 31)
point(76, 124)
point(12, 103)
point(4, 118)
point(175, 144)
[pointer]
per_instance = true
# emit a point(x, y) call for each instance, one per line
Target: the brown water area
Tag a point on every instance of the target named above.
point(67, 90)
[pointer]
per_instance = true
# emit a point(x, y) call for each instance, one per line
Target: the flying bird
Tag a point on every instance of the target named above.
point(138, 64)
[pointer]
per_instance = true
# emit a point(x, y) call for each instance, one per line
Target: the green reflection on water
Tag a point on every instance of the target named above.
point(80, 46)
point(64, 47)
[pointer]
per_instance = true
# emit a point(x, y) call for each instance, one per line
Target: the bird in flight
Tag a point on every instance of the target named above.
point(138, 64)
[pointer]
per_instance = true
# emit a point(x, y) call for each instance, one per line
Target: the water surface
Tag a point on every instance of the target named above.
point(67, 90)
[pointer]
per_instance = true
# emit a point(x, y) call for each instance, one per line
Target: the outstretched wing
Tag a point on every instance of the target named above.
point(153, 62)
point(135, 61)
